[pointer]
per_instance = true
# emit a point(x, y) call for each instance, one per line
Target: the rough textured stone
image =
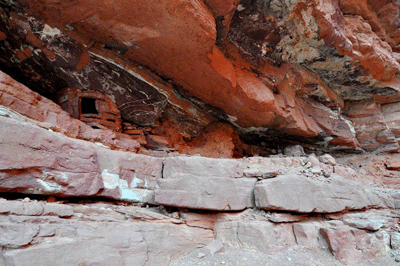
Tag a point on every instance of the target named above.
point(351, 245)
point(302, 194)
point(210, 193)
point(175, 167)
point(129, 177)
point(372, 130)
point(393, 163)
point(395, 240)
point(17, 235)
point(39, 161)
point(370, 220)
point(120, 241)
point(294, 151)
point(98, 53)
point(263, 236)
point(308, 235)
point(20, 99)
point(35, 208)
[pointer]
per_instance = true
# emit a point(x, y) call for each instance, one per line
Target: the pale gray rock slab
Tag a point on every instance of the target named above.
point(39, 161)
point(370, 224)
point(395, 240)
point(35, 208)
point(371, 220)
point(149, 240)
point(286, 217)
point(215, 246)
point(258, 235)
point(305, 195)
point(129, 177)
point(210, 193)
point(175, 167)
point(327, 159)
point(17, 235)
point(308, 235)
point(295, 150)
point(57, 210)
point(261, 173)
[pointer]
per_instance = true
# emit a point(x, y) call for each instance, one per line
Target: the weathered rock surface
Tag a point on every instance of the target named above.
point(175, 167)
point(302, 194)
point(263, 236)
point(39, 161)
point(101, 231)
point(284, 69)
point(210, 193)
point(203, 183)
point(44, 152)
point(22, 100)
point(308, 235)
point(351, 245)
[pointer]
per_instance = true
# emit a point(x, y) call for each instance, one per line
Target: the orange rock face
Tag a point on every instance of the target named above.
point(286, 67)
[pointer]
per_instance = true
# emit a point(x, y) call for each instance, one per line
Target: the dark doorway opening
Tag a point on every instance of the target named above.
point(88, 106)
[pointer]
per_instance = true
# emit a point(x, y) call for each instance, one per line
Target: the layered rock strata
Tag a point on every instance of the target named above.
point(102, 179)
point(280, 202)
point(280, 70)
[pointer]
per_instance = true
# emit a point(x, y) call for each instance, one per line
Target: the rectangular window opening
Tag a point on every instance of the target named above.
point(88, 106)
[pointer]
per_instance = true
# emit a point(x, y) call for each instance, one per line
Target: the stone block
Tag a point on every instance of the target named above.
point(305, 195)
point(210, 193)
point(259, 235)
point(175, 167)
point(350, 245)
point(17, 235)
point(308, 235)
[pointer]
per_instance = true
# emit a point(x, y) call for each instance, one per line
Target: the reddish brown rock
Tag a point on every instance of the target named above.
point(285, 66)
point(20, 99)
point(371, 128)
point(374, 54)
point(91, 107)
point(222, 8)
point(217, 140)
point(206, 72)
point(351, 245)
point(393, 163)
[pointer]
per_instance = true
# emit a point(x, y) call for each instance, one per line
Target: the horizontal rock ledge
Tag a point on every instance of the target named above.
point(300, 194)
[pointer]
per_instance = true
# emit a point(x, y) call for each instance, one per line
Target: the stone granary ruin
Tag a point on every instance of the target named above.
point(202, 132)
point(91, 107)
